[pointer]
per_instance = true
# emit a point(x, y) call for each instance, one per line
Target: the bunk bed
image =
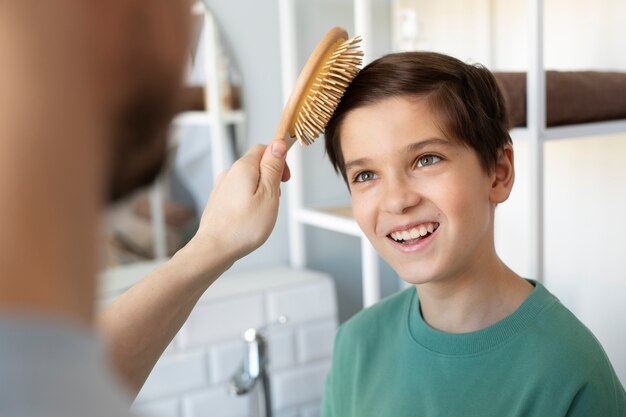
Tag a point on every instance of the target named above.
point(572, 97)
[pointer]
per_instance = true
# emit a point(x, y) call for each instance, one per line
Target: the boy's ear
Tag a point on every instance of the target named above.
point(503, 175)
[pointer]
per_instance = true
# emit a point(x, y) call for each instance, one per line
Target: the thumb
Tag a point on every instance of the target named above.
point(273, 164)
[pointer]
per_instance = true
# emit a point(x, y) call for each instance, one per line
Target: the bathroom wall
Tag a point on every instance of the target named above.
point(190, 378)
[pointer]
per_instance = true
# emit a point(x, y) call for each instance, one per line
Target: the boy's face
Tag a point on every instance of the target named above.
point(422, 199)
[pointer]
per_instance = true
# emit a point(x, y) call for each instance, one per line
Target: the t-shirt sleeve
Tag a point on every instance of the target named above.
point(603, 396)
point(329, 401)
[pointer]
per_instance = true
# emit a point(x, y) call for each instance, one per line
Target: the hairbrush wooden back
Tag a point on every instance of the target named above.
point(322, 82)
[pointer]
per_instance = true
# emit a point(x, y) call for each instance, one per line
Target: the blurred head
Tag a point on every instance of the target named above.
point(114, 67)
point(143, 45)
point(465, 98)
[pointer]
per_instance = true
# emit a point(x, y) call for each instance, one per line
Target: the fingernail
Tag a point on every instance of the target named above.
point(279, 149)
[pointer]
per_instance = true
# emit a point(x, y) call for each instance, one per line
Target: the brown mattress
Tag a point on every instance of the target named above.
point(571, 97)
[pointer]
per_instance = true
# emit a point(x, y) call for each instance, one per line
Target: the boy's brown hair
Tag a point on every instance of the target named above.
point(466, 97)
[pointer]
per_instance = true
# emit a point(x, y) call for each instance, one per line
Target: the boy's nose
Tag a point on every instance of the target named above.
point(400, 197)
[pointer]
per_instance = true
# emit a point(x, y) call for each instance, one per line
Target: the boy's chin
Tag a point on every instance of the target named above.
point(413, 277)
point(417, 280)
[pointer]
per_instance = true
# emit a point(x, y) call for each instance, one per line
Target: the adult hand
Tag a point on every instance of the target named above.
point(238, 218)
point(243, 206)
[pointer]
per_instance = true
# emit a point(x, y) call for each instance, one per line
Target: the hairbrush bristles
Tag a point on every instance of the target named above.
point(320, 85)
point(326, 90)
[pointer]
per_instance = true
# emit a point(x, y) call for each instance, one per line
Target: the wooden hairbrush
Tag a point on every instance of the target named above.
point(322, 82)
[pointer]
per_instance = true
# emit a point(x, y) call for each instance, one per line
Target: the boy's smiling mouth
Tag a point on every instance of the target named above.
point(413, 234)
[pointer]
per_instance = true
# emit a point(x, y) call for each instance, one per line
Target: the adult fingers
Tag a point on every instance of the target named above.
point(273, 165)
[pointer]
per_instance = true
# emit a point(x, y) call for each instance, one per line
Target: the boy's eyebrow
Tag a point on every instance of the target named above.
point(357, 163)
point(411, 148)
point(418, 146)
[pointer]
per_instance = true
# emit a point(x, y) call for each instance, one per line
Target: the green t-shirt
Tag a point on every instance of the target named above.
point(539, 361)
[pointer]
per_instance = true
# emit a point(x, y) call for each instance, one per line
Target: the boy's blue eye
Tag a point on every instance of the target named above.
point(426, 160)
point(364, 176)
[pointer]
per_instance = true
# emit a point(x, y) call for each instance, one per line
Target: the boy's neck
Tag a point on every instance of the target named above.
point(472, 302)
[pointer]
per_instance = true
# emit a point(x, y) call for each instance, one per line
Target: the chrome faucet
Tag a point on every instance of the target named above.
point(252, 373)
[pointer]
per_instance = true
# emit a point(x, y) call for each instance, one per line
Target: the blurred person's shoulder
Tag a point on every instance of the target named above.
point(54, 368)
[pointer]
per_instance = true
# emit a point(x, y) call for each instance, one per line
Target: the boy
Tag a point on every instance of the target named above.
point(422, 142)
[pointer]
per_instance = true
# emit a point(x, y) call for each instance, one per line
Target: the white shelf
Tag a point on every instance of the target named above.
point(574, 131)
point(206, 118)
point(519, 133)
point(586, 129)
point(337, 219)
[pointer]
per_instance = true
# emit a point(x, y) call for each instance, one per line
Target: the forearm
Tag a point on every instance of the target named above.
point(238, 218)
point(140, 323)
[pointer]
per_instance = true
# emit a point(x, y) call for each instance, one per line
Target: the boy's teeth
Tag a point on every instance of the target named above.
point(415, 232)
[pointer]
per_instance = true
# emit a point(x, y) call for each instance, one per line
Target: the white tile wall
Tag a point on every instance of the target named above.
point(215, 402)
point(303, 303)
point(311, 411)
point(287, 413)
point(190, 379)
point(281, 348)
point(213, 322)
point(299, 385)
point(176, 374)
point(224, 359)
point(315, 341)
point(159, 408)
